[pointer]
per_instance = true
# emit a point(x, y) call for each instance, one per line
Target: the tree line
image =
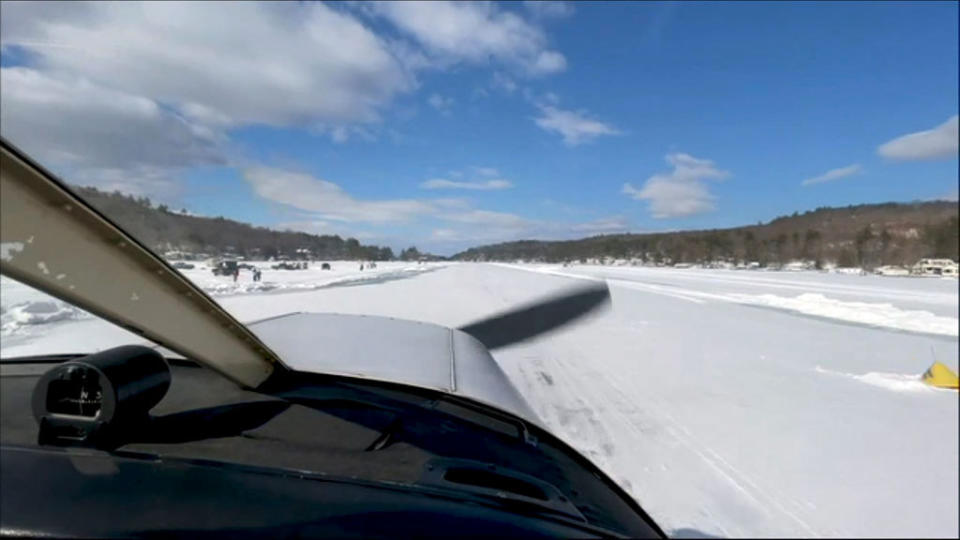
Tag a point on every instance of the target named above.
point(164, 229)
point(854, 236)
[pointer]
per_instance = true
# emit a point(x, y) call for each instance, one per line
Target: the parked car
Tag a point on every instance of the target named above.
point(225, 268)
point(325, 266)
point(287, 265)
point(180, 265)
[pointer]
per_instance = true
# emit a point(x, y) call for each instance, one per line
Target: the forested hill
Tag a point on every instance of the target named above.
point(165, 229)
point(866, 235)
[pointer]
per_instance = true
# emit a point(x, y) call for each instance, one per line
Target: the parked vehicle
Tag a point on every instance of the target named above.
point(891, 271)
point(325, 266)
point(935, 267)
point(287, 265)
point(225, 268)
point(180, 265)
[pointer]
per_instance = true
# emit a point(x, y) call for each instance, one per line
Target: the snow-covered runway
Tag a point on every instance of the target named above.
point(728, 403)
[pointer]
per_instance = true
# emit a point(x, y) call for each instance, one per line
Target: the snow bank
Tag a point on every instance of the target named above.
point(897, 382)
point(850, 271)
point(37, 312)
point(708, 287)
point(873, 314)
point(230, 288)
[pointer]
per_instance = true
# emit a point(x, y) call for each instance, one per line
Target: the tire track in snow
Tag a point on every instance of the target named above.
point(659, 459)
point(604, 423)
point(733, 476)
point(736, 477)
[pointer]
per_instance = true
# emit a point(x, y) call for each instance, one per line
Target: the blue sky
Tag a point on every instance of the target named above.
point(451, 125)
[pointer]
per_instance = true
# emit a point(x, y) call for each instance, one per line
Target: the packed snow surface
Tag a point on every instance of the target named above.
point(882, 314)
point(728, 403)
point(314, 277)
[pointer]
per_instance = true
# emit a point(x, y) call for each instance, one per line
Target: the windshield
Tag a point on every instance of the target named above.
point(768, 190)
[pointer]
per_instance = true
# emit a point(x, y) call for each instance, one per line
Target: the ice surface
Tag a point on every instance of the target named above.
point(719, 399)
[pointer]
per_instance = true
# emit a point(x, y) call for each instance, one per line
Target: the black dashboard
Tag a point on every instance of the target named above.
point(315, 456)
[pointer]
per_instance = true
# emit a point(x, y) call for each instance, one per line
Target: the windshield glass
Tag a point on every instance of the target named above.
point(768, 190)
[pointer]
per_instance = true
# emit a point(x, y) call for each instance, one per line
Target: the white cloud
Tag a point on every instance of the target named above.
point(603, 225)
point(479, 93)
point(197, 72)
point(473, 32)
point(562, 207)
point(126, 95)
point(471, 227)
point(265, 63)
point(325, 208)
point(489, 184)
point(549, 62)
point(451, 203)
point(681, 192)
point(574, 126)
point(100, 136)
point(328, 200)
point(445, 235)
point(834, 174)
point(344, 133)
point(488, 218)
point(484, 185)
point(549, 8)
point(940, 142)
point(325, 201)
point(503, 82)
point(440, 103)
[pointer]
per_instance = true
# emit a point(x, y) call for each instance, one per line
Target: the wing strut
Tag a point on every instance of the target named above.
point(54, 241)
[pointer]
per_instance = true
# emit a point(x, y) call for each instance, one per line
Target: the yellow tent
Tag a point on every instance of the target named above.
point(941, 376)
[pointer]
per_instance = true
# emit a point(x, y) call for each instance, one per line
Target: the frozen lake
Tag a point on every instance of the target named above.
point(728, 403)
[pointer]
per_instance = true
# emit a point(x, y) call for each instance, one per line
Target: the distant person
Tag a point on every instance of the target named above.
point(361, 267)
point(236, 274)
